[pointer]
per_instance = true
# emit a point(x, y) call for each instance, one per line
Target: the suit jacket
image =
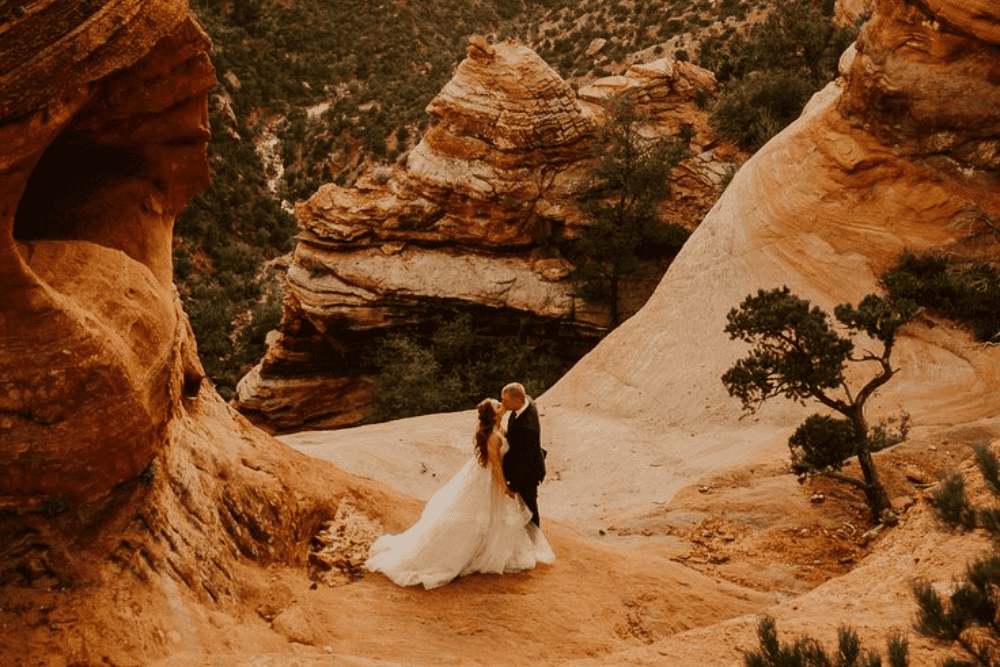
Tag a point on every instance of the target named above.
point(524, 462)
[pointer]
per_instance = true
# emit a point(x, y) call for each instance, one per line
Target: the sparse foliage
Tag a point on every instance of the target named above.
point(757, 107)
point(771, 72)
point(967, 616)
point(376, 66)
point(454, 360)
point(631, 177)
point(797, 354)
point(967, 292)
point(952, 505)
point(808, 652)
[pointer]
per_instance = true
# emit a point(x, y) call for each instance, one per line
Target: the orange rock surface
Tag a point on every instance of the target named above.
point(459, 222)
point(145, 522)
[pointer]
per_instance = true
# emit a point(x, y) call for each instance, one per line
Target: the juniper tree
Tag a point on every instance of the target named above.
point(631, 177)
point(796, 353)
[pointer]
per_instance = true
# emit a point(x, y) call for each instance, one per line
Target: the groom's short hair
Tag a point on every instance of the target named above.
point(515, 389)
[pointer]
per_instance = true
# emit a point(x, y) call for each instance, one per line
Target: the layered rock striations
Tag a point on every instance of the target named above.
point(898, 154)
point(143, 518)
point(103, 141)
point(127, 484)
point(913, 64)
point(824, 208)
point(461, 225)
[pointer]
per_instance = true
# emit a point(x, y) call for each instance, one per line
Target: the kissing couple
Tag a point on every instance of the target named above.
point(485, 519)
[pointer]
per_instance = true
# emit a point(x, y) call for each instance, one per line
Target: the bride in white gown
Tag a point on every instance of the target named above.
point(474, 523)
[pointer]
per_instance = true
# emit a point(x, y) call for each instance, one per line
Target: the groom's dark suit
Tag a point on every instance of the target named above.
point(524, 464)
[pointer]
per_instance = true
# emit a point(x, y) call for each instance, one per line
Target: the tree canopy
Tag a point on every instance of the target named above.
point(629, 180)
point(796, 353)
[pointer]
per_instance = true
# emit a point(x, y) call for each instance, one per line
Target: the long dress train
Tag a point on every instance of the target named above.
point(468, 526)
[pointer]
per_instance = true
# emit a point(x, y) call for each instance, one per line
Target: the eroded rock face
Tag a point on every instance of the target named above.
point(847, 12)
point(914, 61)
point(103, 142)
point(898, 154)
point(126, 481)
point(491, 180)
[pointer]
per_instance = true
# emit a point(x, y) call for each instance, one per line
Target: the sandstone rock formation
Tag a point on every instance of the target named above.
point(896, 155)
point(461, 225)
point(95, 165)
point(140, 517)
point(128, 486)
point(825, 207)
point(194, 551)
point(847, 12)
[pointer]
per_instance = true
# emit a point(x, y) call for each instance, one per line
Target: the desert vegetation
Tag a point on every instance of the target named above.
point(966, 617)
point(963, 290)
point(963, 618)
point(631, 176)
point(313, 92)
point(452, 360)
point(770, 70)
point(796, 353)
point(808, 652)
point(332, 86)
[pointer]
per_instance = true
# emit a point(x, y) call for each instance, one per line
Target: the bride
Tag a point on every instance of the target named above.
point(474, 523)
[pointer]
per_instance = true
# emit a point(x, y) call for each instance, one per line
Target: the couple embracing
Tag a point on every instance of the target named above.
point(485, 519)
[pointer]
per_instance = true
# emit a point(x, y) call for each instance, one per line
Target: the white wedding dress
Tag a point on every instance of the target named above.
point(468, 526)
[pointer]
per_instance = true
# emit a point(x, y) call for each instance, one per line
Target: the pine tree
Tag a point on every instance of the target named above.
point(797, 354)
point(631, 177)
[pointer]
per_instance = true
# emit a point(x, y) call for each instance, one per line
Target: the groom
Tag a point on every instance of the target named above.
point(524, 462)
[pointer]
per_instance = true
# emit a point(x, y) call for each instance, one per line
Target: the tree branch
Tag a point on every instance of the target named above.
point(832, 403)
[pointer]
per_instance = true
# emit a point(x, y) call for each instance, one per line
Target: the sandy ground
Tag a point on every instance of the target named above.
point(677, 571)
point(600, 467)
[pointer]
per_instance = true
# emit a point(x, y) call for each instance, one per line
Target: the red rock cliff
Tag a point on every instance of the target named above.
point(127, 483)
point(459, 224)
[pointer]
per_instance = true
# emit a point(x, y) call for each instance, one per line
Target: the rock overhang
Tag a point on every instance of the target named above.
point(103, 128)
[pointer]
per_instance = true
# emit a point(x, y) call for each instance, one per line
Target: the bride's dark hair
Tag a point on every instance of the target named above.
point(487, 415)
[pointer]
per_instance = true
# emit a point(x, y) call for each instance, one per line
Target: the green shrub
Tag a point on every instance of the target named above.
point(808, 652)
point(753, 110)
point(965, 292)
point(410, 381)
point(974, 599)
point(822, 442)
point(951, 504)
point(771, 72)
point(456, 359)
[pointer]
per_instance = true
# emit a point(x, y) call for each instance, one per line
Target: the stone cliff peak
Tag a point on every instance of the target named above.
point(460, 224)
point(506, 96)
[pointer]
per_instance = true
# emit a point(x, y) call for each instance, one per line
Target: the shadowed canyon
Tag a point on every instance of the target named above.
point(144, 521)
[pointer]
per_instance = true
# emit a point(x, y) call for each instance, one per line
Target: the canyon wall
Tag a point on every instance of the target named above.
point(131, 495)
point(463, 225)
point(900, 153)
point(141, 517)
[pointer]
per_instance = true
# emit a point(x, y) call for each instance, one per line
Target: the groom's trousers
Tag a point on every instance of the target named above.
point(529, 495)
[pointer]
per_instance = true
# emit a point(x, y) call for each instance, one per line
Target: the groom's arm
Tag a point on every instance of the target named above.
point(534, 431)
point(533, 427)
